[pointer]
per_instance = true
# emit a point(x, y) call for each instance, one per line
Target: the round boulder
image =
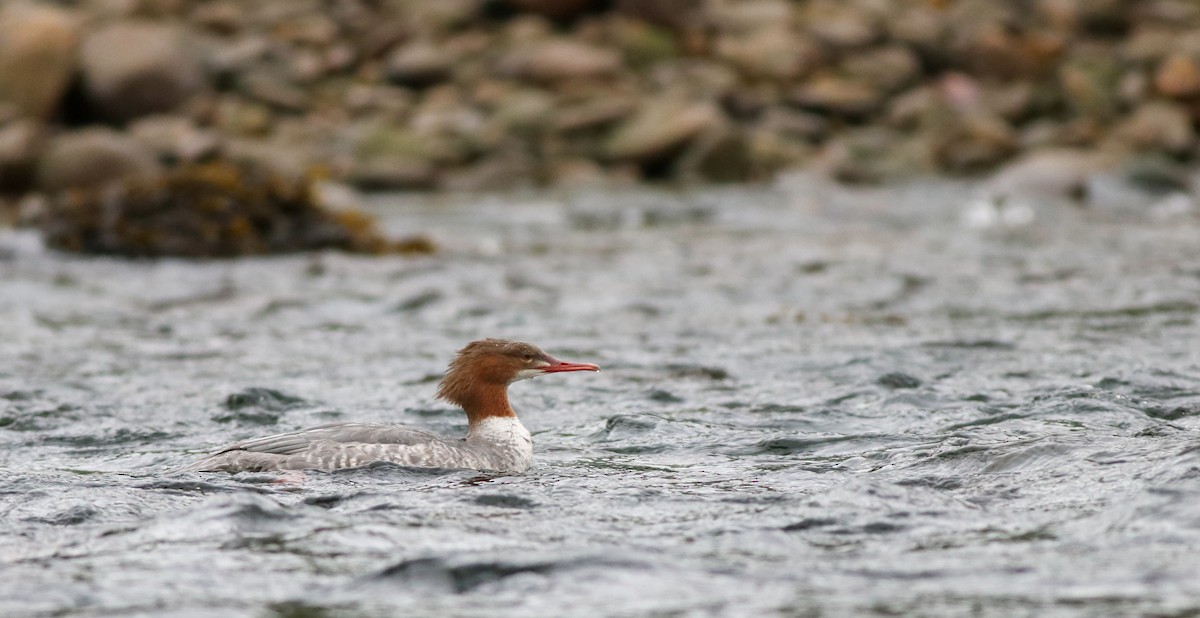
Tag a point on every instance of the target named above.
point(92, 158)
point(37, 57)
point(133, 69)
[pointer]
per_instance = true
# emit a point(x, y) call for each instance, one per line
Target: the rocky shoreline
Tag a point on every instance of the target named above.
point(491, 94)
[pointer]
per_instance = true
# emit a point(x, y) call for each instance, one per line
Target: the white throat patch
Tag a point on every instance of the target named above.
point(525, 374)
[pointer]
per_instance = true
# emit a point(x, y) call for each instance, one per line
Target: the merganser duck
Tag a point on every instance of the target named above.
point(477, 380)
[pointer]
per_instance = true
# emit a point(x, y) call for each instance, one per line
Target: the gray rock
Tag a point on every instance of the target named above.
point(838, 95)
point(576, 172)
point(175, 138)
point(232, 56)
point(554, 9)
point(92, 158)
point(747, 17)
point(439, 16)
point(556, 60)
point(37, 57)
point(674, 14)
point(874, 154)
point(1147, 46)
point(775, 52)
point(234, 115)
point(914, 107)
point(660, 127)
point(1012, 101)
point(384, 101)
point(393, 174)
point(221, 16)
point(592, 113)
point(274, 89)
point(921, 26)
point(772, 150)
point(794, 123)
point(504, 170)
point(393, 157)
point(887, 69)
point(307, 28)
point(278, 157)
point(135, 68)
point(1057, 172)
point(841, 24)
point(972, 142)
point(20, 143)
point(522, 112)
point(419, 63)
point(1158, 125)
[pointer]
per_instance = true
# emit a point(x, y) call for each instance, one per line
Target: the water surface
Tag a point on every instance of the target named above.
point(815, 402)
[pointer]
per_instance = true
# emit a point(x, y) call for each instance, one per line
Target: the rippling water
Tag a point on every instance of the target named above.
point(815, 403)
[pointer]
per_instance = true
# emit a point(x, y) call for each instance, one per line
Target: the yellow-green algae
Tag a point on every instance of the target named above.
point(211, 210)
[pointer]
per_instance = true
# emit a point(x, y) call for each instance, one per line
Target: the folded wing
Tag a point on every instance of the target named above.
point(295, 442)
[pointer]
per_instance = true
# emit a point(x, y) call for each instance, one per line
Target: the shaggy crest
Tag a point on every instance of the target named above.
point(487, 363)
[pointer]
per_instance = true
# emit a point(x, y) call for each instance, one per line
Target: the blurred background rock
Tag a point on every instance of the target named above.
point(495, 94)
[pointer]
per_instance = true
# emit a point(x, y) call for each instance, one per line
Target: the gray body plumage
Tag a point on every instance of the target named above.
point(495, 444)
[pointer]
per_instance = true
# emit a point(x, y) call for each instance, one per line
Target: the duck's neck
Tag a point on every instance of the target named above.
point(486, 401)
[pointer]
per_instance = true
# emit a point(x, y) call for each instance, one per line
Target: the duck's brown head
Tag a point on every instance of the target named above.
point(490, 363)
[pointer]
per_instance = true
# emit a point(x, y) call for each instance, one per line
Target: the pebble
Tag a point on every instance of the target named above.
point(480, 94)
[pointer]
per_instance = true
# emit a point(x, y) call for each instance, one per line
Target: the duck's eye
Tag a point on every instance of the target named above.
point(527, 356)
